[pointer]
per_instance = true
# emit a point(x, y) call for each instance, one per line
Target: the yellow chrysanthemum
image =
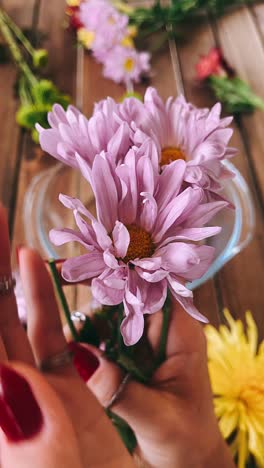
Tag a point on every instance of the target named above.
point(85, 37)
point(236, 368)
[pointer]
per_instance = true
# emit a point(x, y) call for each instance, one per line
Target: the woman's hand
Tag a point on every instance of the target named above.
point(51, 420)
point(173, 419)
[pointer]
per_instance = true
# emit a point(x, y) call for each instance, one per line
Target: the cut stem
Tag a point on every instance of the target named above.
point(15, 51)
point(62, 298)
point(19, 34)
point(164, 331)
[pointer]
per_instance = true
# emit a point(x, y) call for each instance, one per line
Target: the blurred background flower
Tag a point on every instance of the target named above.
point(236, 367)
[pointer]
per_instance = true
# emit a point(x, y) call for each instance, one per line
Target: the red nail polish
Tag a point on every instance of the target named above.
point(20, 414)
point(84, 360)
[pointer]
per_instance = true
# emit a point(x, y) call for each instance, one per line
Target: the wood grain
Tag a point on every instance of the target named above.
point(33, 160)
point(11, 139)
point(242, 279)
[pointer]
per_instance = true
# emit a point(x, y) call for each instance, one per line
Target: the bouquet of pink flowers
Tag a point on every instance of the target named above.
point(157, 172)
point(105, 30)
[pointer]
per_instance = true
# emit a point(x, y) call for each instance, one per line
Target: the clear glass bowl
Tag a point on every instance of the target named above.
point(43, 211)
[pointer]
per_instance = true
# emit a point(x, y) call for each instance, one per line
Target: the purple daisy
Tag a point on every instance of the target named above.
point(144, 239)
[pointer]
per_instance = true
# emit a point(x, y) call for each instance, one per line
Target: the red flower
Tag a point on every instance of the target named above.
point(210, 64)
point(74, 18)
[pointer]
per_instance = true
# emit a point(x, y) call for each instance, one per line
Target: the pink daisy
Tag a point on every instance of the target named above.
point(107, 24)
point(143, 240)
point(181, 131)
point(123, 64)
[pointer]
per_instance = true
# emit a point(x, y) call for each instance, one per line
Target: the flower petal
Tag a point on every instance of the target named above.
point(190, 308)
point(62, 236)
point(83, 267)
point(121, 239)
point(177, 288)
point(105, 192)
point(170, 182)
point(132, 326)
point(106, 290)
point(171, 212)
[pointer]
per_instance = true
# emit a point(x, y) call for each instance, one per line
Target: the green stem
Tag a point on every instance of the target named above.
point(164, 331)
point(15, 51)
point(119, 335)
point(19, 34)
point(62, 298)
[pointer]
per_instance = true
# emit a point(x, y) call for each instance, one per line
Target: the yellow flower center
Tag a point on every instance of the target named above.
point(85, 37)
point(129, 64)
point(128, 42)
point(141, 244)
point(171, 153)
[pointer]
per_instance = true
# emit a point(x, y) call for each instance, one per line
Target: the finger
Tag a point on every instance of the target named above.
point(185, 334)
point(44, 323)
point(137, 404)
point(35, 428)
point(12, 332)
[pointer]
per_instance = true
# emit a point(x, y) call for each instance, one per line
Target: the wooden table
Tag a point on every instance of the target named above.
point(240, 284)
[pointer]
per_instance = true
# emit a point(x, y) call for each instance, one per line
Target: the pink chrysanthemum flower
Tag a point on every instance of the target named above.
point(123, 64)
point(107, 24)
point(181, 131)
point(143, 240)
point(72, 133)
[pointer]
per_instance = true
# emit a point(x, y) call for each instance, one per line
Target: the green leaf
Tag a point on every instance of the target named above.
point(45, 92)
point(235, 94)
point(126, 433)
point(28, 115)
point(129, 365)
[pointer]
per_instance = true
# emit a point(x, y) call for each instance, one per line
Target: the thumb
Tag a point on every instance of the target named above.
point(33, 422)
point(137, 404)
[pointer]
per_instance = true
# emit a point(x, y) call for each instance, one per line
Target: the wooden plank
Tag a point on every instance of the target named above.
point(61, 69)
point(234, 290)
point(242, 279)
point(243, 48)
point(206, 297)
point(10, 135)
point(258, 14)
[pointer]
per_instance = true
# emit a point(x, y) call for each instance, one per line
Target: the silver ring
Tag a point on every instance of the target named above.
point(7, 284)
point(58, 360)
point(119, 391)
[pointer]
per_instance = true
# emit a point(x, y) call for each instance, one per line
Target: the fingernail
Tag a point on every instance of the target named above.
point(18, 248)
point(20, 414)
point(84, 360)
